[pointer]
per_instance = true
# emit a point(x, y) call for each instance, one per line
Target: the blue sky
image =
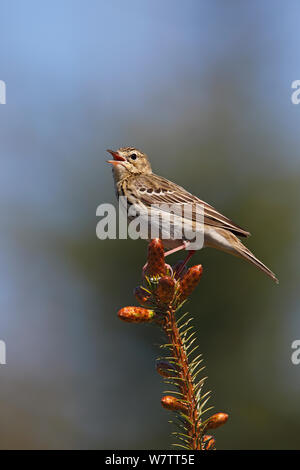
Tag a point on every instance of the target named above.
point(83, 76)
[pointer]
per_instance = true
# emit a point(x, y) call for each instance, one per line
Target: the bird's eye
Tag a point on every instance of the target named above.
point(133, 156)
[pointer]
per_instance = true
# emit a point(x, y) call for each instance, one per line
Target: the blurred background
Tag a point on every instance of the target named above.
point(204, 87)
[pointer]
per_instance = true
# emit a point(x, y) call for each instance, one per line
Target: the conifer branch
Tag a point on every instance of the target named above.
point(163, 294)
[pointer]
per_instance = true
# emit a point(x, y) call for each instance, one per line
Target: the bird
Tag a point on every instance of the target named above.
point(134, 179)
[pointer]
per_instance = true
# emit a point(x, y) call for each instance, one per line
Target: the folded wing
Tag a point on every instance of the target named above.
point(154, 189)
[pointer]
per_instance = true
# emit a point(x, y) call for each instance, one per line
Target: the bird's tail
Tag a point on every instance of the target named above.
point(244, 253)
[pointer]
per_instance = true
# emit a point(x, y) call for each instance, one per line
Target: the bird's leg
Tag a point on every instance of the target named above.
point(184, 263)
point(180, 247)
point(188, 257)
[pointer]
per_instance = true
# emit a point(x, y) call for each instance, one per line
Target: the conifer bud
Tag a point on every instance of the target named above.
point(141, 295)
point(173, 404)
point(190, 281)
point(156, 258)
point(216, 420)
point(165, 290)
point(165, 369)
point(136, 314)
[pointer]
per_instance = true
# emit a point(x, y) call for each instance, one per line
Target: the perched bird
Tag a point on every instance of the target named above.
point(135, 180)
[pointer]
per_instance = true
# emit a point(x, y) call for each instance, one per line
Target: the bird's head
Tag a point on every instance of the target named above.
point(129, 160)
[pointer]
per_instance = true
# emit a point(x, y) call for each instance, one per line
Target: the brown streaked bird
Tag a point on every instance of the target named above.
point(134, 179)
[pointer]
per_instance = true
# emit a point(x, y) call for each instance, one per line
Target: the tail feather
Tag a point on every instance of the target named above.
point(226, 241)
point(246, 254)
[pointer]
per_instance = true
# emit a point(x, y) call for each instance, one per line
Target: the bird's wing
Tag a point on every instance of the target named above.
point(153, 189)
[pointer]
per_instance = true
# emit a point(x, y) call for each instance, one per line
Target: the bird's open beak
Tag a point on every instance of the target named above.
point(117, 157)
